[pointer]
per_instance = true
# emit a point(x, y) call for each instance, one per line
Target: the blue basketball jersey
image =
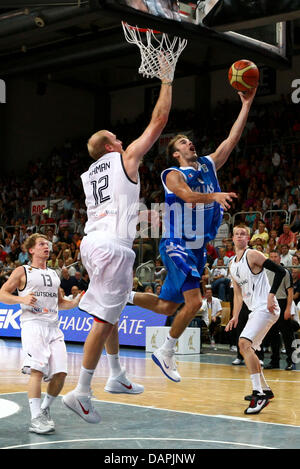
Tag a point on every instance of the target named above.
point(193, 226)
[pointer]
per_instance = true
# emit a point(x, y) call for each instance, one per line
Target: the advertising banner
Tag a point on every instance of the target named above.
point(76, 324)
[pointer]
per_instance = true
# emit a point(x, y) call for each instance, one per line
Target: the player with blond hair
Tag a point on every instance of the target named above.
point(251, 286)
point(43, 344)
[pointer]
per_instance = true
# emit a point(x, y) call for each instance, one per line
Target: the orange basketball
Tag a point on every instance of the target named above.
point(243, 75)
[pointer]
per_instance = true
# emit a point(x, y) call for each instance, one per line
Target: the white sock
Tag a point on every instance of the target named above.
point(264, 382)
point(35, 406)
point(84, 381)
point(48, 399)
point(131, 297)
point(256, 384)
point(170, 343)
point(114, 364)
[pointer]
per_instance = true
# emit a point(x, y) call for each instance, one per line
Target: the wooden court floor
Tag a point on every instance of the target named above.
point(210, 385)
point(207, 387)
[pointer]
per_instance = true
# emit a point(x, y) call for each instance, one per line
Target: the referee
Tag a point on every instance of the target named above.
point(284, 296)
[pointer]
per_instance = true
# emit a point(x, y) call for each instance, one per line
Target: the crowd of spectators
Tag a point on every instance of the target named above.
point(263, 170)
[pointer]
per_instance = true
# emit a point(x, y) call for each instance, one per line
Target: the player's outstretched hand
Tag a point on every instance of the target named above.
point(223, 198)
point(247, 96)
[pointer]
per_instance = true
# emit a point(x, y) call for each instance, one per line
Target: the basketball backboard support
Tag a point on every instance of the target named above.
point(232, 15)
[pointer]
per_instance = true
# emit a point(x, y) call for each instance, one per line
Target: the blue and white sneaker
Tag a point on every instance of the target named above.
point(166, 361)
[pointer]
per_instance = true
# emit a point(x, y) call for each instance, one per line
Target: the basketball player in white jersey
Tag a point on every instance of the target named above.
point(112, 188)
point(251, 285)
point(42, 340)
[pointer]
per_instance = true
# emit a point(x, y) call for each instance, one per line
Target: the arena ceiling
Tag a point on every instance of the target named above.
point(85, 46)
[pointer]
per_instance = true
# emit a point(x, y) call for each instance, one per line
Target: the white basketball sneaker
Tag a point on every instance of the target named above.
point(165, 359)
point(46, 413)
point(121, 384)
point(40, 425)
point(82, 405)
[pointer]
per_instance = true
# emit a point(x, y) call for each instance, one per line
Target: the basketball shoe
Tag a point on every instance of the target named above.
point(46, 413)
point(121, 384)
point(257, 403)
point(165, 359)
point(81, 404)
point(40, 425)
point(267, 392)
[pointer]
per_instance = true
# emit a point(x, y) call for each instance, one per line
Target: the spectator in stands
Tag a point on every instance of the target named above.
point(277, 224)
point(212, 253)
point(75, 293)
point(66, 237)
point(220, 281)
point(46, 219)
point(71, 268)
point(23, 256)
point(137, 285)
point(295, 260)
point(287, 237)
point(250, 217)
point(211, 310)
point(84, 281)
point(274, 235)
point(81, 225)
point(74, 251)
point(53, 261)
point(63, 222)
point(261, 233)
point(76, 240)
point(271, 247)
point(295, 222)
point(7, 245)
point(222, 255)
point(67, 281)
point(286, 256)
point(230, 251)
point(55, 213)
point(149, 289)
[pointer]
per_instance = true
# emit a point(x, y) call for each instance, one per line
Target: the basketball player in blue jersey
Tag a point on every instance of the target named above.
point(194, 207)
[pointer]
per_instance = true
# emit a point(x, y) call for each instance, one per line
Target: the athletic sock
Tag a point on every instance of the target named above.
point(170, 343)
point(114, 364)
point(256, 383)
point(35, 406)
point(84, 381)
point(264, 383)
point(48, 399)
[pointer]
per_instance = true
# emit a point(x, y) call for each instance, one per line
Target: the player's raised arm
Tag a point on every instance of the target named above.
point(139, 147)
point(157, 62)
point(223, 151)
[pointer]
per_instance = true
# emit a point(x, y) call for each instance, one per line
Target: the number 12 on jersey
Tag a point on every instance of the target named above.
point(98, 188)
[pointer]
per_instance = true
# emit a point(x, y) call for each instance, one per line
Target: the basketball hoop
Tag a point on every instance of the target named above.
point(159, 54)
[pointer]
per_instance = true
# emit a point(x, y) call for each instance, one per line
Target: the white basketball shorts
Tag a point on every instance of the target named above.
point(259, 323)
point(110, 268)
point(44, 348)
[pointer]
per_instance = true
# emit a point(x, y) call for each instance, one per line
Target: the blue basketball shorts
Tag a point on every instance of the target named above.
point(184, 269)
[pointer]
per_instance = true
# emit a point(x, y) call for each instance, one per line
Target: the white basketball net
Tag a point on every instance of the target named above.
point(159, 54)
